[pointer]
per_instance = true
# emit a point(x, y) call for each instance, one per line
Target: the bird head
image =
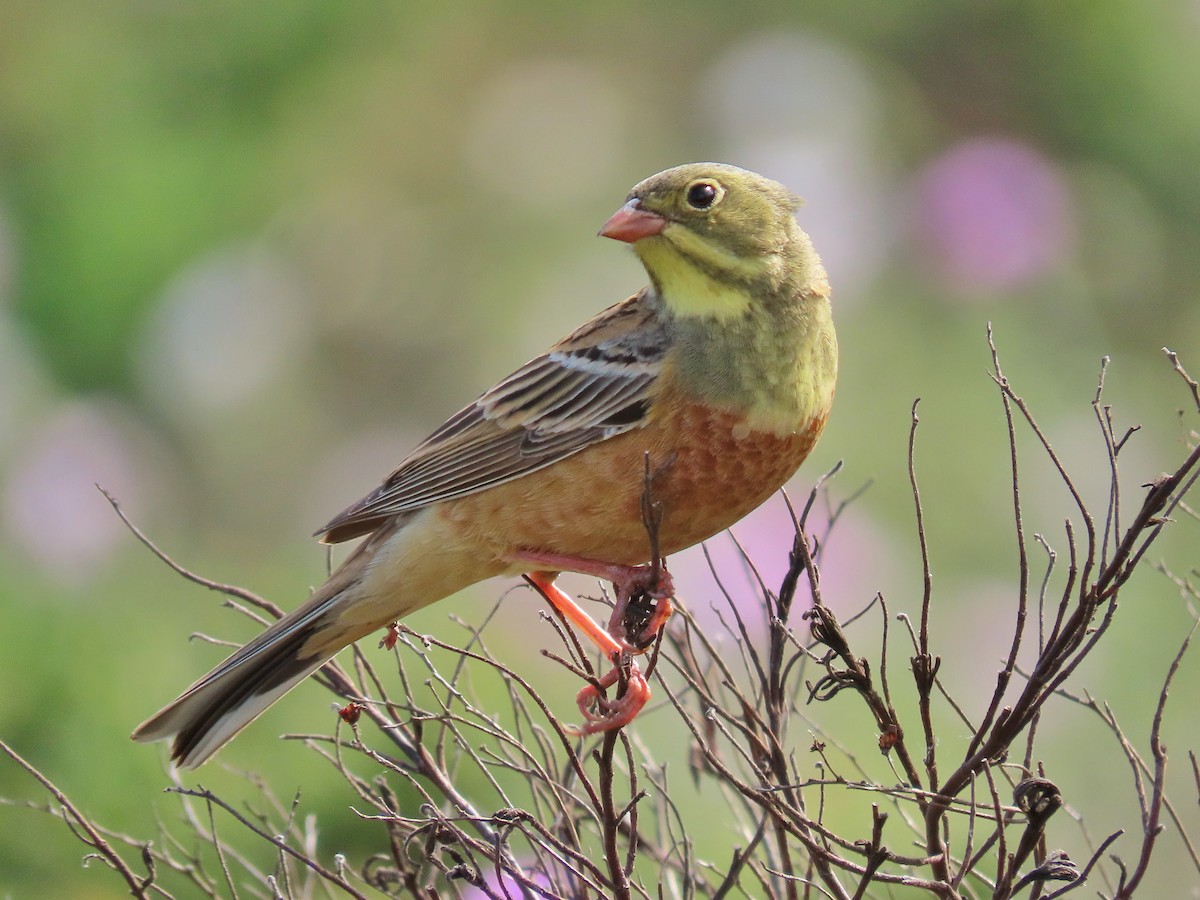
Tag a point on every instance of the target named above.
point(712, 236)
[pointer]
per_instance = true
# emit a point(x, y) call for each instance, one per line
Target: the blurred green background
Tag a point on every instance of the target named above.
point(251, 253)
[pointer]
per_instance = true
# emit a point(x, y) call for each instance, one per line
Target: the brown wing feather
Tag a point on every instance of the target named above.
point(596, 383)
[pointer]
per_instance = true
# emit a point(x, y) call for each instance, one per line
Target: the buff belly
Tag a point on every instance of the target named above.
point(709, 470)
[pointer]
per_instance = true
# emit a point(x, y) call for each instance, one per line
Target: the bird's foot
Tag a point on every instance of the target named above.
point(642, 606)
point(599, 712)
point(602, 714)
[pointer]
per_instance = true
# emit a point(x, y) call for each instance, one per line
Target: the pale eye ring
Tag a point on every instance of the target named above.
point(703, 194)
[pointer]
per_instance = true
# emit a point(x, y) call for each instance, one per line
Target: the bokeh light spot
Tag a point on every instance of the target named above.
point(224, 329)
point(994, 213)
point(804, 110)
point(51, 508)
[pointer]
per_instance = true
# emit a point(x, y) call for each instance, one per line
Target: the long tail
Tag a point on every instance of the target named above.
point(209, 713)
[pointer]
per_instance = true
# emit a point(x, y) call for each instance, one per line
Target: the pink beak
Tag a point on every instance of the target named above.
point(631, 223)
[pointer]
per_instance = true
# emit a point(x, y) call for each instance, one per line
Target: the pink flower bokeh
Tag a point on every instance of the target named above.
point(994, 213)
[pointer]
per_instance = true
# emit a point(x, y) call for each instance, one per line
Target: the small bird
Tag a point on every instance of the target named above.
point(712, 384)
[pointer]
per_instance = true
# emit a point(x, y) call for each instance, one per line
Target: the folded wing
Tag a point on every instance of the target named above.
point(596, 383)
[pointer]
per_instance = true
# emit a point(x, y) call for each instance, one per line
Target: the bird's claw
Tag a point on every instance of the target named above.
point(642, 607)
point(600, 713)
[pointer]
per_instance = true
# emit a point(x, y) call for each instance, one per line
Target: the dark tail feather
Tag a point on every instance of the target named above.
point(275, 674)
point(222, 703)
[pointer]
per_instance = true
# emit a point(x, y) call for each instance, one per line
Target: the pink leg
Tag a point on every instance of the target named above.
point(611, 713)
point(629, 582)
point(574, 614)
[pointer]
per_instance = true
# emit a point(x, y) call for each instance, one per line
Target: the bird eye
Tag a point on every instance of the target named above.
point(703, 194)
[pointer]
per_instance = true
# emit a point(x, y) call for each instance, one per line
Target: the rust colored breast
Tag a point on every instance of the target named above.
point(708, 469)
